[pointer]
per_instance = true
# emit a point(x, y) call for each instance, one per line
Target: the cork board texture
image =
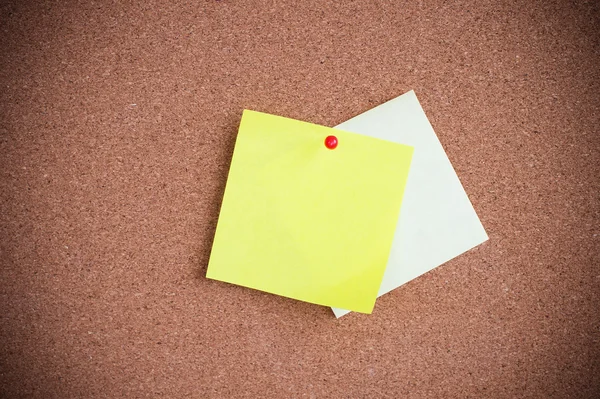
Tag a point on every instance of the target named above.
point(117, 127)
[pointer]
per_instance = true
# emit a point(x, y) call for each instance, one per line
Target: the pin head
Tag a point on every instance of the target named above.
point(331, 142)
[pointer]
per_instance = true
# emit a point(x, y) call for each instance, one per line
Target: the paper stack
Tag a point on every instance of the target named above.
point(339, 216)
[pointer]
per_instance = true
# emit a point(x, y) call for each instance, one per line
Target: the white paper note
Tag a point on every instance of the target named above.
point(437, 221)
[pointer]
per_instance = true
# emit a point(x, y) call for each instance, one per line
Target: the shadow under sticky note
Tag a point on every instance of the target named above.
point(307, 222)
point(438, 221)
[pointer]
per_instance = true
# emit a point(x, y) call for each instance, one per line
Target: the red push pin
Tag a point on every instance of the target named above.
point(331, 142)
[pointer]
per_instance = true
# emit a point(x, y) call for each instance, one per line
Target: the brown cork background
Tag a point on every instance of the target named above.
point(117, 127)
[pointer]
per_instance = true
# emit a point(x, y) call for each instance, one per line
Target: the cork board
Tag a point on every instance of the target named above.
point(116, 131)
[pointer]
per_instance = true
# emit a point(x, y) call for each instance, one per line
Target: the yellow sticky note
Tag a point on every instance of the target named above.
point(304, 221)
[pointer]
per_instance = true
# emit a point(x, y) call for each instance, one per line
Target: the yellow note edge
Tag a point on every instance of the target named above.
point(304, 221)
